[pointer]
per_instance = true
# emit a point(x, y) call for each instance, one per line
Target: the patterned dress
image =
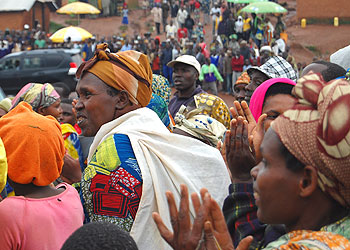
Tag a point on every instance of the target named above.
point(72, 143)
point(111, 186)
point(331, 237)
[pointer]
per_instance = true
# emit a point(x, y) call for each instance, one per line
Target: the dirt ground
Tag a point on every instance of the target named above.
point(305, 43)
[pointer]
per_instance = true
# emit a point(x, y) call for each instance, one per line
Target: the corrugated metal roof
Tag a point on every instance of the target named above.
point(18, 5)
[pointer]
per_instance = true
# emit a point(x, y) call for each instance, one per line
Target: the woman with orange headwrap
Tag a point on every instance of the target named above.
point(39, 216)
point(134, 157)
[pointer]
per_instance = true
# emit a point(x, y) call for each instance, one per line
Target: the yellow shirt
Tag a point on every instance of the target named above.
point(246, 24)
point(3, 166)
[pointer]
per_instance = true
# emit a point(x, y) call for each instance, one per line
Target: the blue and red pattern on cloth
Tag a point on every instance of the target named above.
point(111, 186)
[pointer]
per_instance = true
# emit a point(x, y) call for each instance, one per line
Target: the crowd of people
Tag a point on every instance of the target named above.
point(112, 165)
point(239, 40)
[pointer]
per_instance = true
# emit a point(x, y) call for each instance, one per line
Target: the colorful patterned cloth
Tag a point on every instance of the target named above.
point(214, 107)
point(158, 105)
point(313, 240)
point(200, 126)
point(243, 79)
point(37, 95)
point(72, 143)
point(111, 185)
point(127, 70)
point(161, 87)
point(320, 120)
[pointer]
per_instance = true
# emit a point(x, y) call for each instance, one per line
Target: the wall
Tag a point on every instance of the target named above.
point(13, 20)
point(16, 20)
point(323, 9)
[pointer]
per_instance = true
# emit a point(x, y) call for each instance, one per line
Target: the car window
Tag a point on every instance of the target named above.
point(33, 62)
point(53, 60)
point(11, 63)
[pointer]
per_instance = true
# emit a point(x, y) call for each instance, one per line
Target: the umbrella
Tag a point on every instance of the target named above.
point(245, 1)
point(78, 8)
point(76, 34)
point(264, 7)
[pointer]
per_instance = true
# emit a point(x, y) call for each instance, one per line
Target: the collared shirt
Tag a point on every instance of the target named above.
point(176, 102)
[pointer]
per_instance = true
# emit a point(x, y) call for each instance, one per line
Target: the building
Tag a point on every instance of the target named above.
point(323, 9)
point(14, 14)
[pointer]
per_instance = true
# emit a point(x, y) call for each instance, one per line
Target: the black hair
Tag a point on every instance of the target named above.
point(100, 236)
point(64, 90)
point(66, 100)
point(279, 88)
point(332, 72)
point(292, 163)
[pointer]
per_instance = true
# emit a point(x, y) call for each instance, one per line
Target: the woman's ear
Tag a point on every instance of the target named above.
point(309, 181)
point(41, 110)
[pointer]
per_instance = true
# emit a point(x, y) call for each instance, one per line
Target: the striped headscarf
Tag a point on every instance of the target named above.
point(317, 132)
point(37, 95)
point(127, 70)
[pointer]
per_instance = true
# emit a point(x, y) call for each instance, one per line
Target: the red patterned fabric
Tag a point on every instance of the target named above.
point(116, 194)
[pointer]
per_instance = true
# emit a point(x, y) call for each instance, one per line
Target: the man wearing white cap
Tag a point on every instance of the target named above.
point(186, 70)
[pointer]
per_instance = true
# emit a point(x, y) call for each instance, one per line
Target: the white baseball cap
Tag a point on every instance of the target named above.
point(186, 59)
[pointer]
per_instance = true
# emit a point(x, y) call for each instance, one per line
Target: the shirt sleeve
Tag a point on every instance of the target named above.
point(201, 75)
point(217, 74)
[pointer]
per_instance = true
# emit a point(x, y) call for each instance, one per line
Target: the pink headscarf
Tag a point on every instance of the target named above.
point(258, 97)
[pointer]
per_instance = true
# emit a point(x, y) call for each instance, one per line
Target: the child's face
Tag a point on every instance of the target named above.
point(67, 115)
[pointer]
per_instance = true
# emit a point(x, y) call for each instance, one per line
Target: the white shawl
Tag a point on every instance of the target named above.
point(166, 160)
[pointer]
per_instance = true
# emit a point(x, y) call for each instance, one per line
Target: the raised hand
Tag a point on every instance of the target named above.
point(184, 236)
point(239, 155)
point(242, 109)
point(258, 136)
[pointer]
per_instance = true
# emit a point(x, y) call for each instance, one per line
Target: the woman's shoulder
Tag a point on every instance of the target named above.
point(313, 240)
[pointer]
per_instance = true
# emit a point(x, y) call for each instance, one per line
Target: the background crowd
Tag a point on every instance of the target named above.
point(239, 40)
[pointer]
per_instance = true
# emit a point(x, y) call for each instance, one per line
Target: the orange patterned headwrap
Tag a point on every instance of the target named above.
point(127, 70)
point(317, 132)
point(243, 79)
point(34, 146)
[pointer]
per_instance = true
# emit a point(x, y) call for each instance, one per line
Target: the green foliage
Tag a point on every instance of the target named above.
point(123, 28)
point(54, 27)
point(73, 22)
point(313, 49)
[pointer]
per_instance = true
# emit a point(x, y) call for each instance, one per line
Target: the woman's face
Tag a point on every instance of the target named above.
point(256, 78)
point(54, 109)
point(275, 186)
point(276, 105)
point(240, 92)
point(95, 106)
